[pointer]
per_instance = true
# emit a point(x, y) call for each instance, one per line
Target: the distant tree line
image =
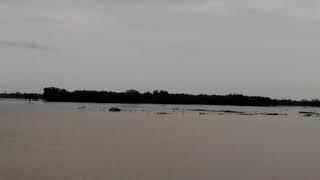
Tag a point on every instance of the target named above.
point(53, 94)
point(18, 95)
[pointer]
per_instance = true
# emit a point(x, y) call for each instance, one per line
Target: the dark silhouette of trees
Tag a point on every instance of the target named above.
point(32, 97)
point(18, 95)
point(163, 97)
point(53, 94)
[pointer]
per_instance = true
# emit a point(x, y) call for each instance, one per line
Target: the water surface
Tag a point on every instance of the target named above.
point(73, 141)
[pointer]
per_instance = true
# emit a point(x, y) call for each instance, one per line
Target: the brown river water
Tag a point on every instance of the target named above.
point(78, 141)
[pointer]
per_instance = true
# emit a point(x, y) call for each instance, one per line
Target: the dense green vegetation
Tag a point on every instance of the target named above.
point(53, 94)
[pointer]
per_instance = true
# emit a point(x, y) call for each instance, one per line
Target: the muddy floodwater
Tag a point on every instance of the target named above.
point(79, 141)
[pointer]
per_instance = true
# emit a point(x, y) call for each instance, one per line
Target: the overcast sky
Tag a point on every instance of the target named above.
point(254, 47)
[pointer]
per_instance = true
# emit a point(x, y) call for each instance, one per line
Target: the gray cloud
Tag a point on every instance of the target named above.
point(256, 47)
point(307, 9)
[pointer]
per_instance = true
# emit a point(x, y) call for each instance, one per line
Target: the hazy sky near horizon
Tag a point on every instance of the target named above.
point(254, 47)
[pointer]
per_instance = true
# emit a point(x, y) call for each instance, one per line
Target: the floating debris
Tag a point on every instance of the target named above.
point(309, 114)
point(221, 112)
point(114, 109)
point(231, 112)
point(163, 113)
point(274, 114)
point(203, 113)
point(81, 107)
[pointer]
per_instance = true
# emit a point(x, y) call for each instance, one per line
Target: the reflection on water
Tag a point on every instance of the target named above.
point(160, 142)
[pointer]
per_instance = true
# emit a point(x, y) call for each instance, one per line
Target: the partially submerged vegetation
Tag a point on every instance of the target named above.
point(53, 94)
